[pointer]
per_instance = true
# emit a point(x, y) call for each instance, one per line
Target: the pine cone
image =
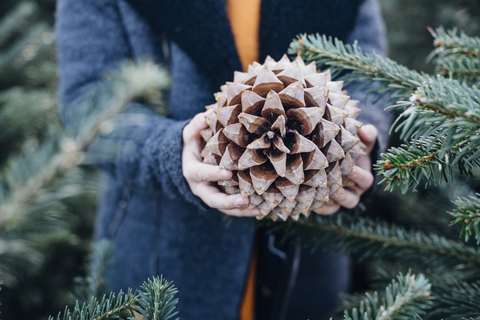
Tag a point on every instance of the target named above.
point(289, 135)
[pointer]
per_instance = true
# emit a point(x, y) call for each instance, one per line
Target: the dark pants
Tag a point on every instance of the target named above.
point(295, 283)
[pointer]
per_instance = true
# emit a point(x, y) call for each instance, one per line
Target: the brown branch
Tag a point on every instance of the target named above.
point(418, 162)
point(439, 43)
point(338, 58)
point(445, 70)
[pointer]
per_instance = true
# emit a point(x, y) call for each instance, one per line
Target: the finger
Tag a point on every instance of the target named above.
point(368, 134)
point(363, 178)
point(253, 212)
point(214, 198)
point(346, 199)
point(330, 209)
point(195, 171)
point(192, 129)
point(365, 163)
point(192, 151)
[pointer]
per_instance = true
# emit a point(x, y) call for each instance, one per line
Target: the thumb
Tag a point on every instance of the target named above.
point(192, 130)
point(368, 135)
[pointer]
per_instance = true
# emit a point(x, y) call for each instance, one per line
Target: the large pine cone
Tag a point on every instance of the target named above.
point(289, 135)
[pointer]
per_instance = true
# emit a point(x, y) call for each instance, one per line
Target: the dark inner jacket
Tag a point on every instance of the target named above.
point(146, 207)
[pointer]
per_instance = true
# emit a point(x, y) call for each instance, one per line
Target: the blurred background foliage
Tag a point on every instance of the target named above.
point(410, 43)
point(407, 21)
point(38, 286)
point(44, 242)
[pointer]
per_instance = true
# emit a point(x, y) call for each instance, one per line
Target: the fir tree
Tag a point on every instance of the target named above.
point(438, 123)
point(155, 299)
point(47, 194)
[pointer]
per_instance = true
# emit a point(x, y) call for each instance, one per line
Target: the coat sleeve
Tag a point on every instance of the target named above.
point(91, 40)
point(369, 31)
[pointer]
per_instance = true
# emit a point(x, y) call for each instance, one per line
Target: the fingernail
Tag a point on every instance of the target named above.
point(352, 175)
point(240, 202)
point(224, 174)
point(256, 212)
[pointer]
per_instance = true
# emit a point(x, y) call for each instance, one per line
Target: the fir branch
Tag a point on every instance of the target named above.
point(405, 167)
point(456, 299)
point(441, 108)
point(41, 166)
point(98, 265)
point(405, 298)
point(8, 58)
point(16, 20)
point(462, 68)
point(408, 164)
point(451, 43)
point(446, 113)
point(14, 254)
point(17, 117)
point(370, 239)
point(156, 301)
point(450, 99)
point(360, 67)
point(349, 301)
point(111, 307)
point(446, 284)
point(35, 66)
point(131, 82)
point(35, 184)
point(468, 215)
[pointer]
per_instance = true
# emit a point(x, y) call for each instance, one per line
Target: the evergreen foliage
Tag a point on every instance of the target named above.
point(155, 301)
point(439, 117)
point(406, 297)
point(375, 238)
point(47, 194)
point(451, 43)
point(408, 40)
point(28, 133)
point(457, 55)
point(439, 123)
point(35, 182)
point(467, 214)
point(98, 264)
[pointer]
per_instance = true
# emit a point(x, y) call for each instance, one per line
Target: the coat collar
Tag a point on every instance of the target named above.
point(201, 28)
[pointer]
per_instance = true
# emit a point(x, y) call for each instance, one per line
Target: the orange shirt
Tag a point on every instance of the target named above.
point(244, 18)
point(245, 21)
